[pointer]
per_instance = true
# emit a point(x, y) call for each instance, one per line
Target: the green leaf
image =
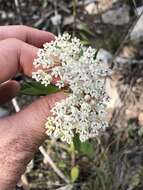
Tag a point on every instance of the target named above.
point(140, 132)
point(96, 53)
point(36, 89)
point(74, 173)
point(61, 164)
point(81, 52)
point(84, 38)
point(76, 142)
point(87, 148)
point(135, 180)
point(84, 27)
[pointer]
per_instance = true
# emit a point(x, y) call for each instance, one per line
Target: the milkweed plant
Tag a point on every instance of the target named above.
point(74, 68)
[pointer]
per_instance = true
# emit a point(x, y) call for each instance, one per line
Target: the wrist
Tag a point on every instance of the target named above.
point(9, 164)
point(15, 153)
point(20, 137)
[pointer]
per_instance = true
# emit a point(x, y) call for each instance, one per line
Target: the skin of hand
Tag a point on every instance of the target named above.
point(22, 133)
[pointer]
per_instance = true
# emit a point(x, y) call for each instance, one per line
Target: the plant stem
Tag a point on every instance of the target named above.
point(52, 164)
point(74, 15)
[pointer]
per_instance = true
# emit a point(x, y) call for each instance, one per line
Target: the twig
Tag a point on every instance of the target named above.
point(125, 38)
point(56, 14)
point(24, 182)
point(122, 61)
point(15, 105)
point(44, 17)
point(52, 164)
point(74, 15)
point(42, 150)
point(18, 10)
point(135, 5)
point(65, 9)
point(67, 187)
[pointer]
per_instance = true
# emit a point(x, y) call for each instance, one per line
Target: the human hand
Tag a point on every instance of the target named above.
point(20, 134)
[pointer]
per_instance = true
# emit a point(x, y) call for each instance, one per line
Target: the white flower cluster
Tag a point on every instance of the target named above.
point(75, 67)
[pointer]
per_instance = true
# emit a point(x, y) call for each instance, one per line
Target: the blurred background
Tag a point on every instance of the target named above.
point(113, 161)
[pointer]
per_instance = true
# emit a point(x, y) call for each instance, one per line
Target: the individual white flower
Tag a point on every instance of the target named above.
point(42, 76)
point(60, 84)
point(76, 68)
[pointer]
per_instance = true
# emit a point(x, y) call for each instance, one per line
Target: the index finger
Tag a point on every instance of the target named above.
point(27, 34)
point(15, 56)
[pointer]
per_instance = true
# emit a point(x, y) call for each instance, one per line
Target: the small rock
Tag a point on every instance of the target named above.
point(140, 118)
point(117, 17)
point(129, 52)
point(91, 8)
point(3, 112)
point(140, 102)
point(68, 20)
point(40, 175)
point(99, 32)
point(63, 155)
point(112, 91)
point(139, 80)
point(110, 114)
point(10, 15)
point(56, 20)
point(131, 113)
point(3, 14)
point(104, 5)
point(104, 55)
point(134, 89)
point(140, 10)
point(137, 33)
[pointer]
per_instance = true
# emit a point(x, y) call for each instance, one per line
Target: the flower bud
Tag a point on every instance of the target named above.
point(87, 97)
point(92, 102)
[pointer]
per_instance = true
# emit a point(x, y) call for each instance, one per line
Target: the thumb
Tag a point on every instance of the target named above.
point(29, 123)
point(21, 135)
